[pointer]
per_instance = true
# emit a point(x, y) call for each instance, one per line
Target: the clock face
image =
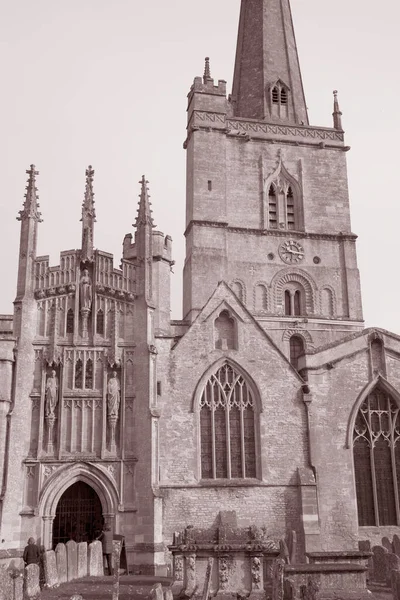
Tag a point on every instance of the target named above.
point(291, 252)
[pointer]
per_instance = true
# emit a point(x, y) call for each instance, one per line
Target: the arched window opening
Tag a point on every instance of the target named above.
point(225, 338)
point(260, 298)
point(327, 302)
point(227, 427)
point(275, 95)
point(70, 321)
point(296, 349)
point(294, 301)
point(237, 288)
point(89, 374)
point(78, 515)
point(272, 208)
point(79, 374)
point(376, 448)
point(100, 322)
point(279, 100)
point(290, 216)
point(284, 96)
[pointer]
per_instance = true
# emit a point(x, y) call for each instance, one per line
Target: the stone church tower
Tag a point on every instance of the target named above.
point(267, 401)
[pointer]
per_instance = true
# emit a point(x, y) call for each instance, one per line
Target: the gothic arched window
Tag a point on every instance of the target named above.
point(296, 344)
point(376, 448)
point(89, 374)
point(279, 100)
point(79, 374)
point(100, 322)
point(272, 208)
point(284, 205)
point(227, 427)
point(70, 321)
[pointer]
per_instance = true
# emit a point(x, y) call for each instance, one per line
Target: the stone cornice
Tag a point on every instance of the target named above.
point(350, 237)
point(273, 132)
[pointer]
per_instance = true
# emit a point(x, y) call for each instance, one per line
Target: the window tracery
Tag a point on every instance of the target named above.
point(376, 449)
point(227, 426)
point(284, 199)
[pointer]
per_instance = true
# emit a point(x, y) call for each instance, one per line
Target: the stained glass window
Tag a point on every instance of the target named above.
point(377, 460)
point(227, 424)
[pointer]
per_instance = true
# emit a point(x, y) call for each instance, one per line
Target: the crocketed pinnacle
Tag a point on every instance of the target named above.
point(144, 216)
point(207, 72)
point(337, 114)
point(267, 63)
point(88, 201)
point(31, 205)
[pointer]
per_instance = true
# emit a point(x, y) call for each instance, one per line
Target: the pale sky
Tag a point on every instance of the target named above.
point(104, 82)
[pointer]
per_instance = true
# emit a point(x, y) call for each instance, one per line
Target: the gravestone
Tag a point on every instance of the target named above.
point(168, 594)
point(310, 591)
point(392, 564)
point(61, 560)
point(278, 570)
point(50, 569)
point(380, 567)
point(32, 587)
point(156, 592)
point(82, 559)
point(95, 560)
point(386, 543)
point(72, 560)
point(6, 584)
point(396, 544)
point(395, 585)
point(116, 555)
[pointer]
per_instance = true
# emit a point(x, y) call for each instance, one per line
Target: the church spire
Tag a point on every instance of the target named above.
point(267, 80)
point(144, 242)
point(88, 218)
point(337, 114)
point(144, 216)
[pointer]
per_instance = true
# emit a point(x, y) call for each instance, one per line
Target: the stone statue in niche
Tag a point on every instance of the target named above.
point(51, 395)
point(113, 401)
point(113, 395)
point(51, 400)
point(85, 289)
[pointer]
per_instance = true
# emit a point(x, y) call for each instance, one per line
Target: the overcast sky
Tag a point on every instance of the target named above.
point(104, 82)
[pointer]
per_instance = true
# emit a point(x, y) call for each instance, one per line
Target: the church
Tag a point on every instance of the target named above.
point(268, 399)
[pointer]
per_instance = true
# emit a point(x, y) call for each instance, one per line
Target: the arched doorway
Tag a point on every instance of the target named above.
point(79, 515)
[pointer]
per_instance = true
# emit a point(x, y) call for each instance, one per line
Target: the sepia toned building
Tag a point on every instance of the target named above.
point(268, 398)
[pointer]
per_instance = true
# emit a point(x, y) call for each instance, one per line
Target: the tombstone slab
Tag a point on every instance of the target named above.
point(32, 587)
point(392, 564)
point(95, 560)
point(156, 592)
point(82, 559)
point(396, 544)
point(50, 569)
point(380, 567)
point(72, 560)
point(386, 543)
point(61, 560)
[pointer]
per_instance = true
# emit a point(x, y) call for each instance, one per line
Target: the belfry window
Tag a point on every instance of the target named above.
point(283, 206)
point(272, 208)
point(279, 100)
point(227, 427)
point(293, 302)
point(275, 95)
point(376, 448)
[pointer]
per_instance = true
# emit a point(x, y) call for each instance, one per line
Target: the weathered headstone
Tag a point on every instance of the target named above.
point(310, 591)
point(6, 583)
point(380, 568)
point(292, 546)
point(392, 564)
point(207, 580)
point(168, 595)
point(32, 587)
point(156, 592)
point(61, 560)
point(396, 544)
point(82, 559)
point(386, 543)
point(177, 586)
point(50, 569)
point(76, 597)
point(395, 584)
point(95, 559)
point(72, 560)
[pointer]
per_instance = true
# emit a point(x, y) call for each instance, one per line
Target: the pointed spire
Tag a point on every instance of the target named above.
point(144, 216)
point(337, 114)
point(31, 205)
point(267, 63)
point(207, 72)
point(88, 217)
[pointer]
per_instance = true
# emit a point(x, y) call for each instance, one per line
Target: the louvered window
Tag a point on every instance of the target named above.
point(227, 424)
point(275, 95)
point(377, 460)
point(290, 216)
point(272, 208)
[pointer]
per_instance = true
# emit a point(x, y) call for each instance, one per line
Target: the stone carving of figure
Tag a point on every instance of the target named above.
point(85, 288)
point(51, 395)
point(113, 393)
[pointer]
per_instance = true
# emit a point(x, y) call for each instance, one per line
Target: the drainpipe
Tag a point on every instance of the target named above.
point(7, 440)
